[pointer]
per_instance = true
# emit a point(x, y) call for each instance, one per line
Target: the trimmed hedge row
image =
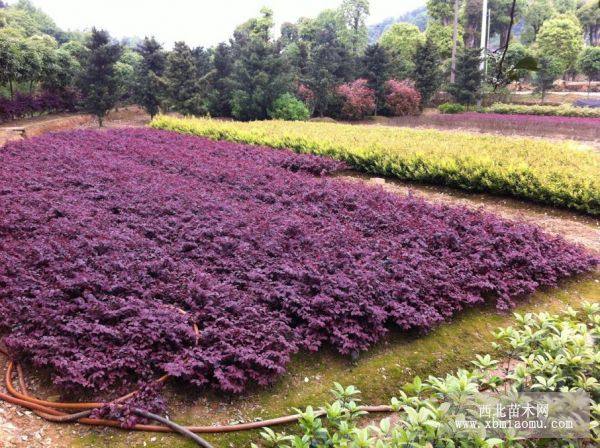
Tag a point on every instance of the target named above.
point(562, 174)
point(560, 111)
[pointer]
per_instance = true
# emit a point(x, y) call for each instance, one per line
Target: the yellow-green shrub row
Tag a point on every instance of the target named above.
point(563, 174)
point(564, 110)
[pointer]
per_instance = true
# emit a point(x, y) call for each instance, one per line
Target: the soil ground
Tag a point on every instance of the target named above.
point(379, 372)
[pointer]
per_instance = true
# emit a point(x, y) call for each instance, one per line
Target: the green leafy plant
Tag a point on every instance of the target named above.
point(288, 107)
point(451, 108)
point(540, 352)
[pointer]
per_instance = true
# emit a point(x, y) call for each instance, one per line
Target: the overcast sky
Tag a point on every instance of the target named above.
point(194, 21)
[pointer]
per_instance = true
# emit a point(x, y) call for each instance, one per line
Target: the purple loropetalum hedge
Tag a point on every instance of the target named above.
point(106, 236)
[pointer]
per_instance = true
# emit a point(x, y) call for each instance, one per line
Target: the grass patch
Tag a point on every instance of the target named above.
point(379, 373)
point(560, 174)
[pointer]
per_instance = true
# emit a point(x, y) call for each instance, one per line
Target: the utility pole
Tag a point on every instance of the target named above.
point(484, 31)
point(454, 43)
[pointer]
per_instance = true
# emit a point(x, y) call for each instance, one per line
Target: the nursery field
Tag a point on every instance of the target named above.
point(561, 174)
point(555, 127)
point(114, 244)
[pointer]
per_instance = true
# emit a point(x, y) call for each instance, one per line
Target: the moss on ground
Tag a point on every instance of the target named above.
point(379, 373)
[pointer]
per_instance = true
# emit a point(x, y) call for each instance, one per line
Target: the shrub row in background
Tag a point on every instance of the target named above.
point(358, 100)
point(562, 111)
point(543, 171)
point(106, 234)
point(25, 105)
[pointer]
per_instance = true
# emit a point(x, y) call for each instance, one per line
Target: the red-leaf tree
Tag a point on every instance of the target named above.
point(358, 100)
point(402, 98)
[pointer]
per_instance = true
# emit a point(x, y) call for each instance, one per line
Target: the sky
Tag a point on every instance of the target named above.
point(197, 22)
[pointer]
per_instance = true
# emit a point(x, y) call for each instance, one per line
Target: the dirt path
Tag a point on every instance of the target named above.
point(22, 429)
point(124, 117)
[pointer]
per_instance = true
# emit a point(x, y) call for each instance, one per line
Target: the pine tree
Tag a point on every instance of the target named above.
point(427, 73)
point(465, 89)
point(98, 82)
point(221, 81)
point(181, 75)
point(329, 65)
point(375, 65)
point(150, 84)
point(259, 75)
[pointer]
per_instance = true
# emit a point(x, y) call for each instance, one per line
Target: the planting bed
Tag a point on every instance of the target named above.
point(554, 173)
point(106, 236)
point(575, 128)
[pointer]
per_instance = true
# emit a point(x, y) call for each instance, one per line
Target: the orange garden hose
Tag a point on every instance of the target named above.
point(49, 410)
point(53, 411)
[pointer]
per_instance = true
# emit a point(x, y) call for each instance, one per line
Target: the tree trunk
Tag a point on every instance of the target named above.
point(12, 93)
point(100, 121)
point(589, 86)
point(454, 43)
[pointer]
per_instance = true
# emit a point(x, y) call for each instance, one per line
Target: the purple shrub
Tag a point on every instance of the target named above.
point(23, 105)
point(106, 236)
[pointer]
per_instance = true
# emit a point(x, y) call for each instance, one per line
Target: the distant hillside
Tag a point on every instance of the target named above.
point(416, 17)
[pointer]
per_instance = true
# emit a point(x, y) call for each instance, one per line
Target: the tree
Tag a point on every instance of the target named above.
point(150, 84)
point(500, 17)
point(355, 13)
point(402, 98)
point(536, 13)
point(400, 41)
point(427, 74)
point(11, 59)
point(441, 37)
point(61, 73)
point(454, 42)
point(510, 72)
point(441, 11)
point(588, 14)
point(183, 90)
point(471, 22)
point(565, 6)
point(328, 66)
point(375, 70)
point(32, 64)
point(465, 89)
point(589, 64)
point(125, 70)
point(548, 71)
point(99, 81)
point(221, 81)
point(358, 99)
point(259, 75)
point(561, 39)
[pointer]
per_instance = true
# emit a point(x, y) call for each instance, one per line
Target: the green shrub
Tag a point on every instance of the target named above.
point(556, 173)
point(564, 110)
point(540, 353)
point(451, 108)
point(288, 107)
